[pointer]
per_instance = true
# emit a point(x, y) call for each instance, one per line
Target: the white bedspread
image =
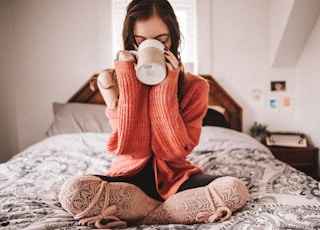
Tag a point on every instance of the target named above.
point(280, 196)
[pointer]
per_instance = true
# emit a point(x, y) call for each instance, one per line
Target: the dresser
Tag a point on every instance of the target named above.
point(304, 158)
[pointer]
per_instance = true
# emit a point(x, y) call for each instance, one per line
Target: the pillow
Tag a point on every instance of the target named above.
point(215, 118)
point(78, 117)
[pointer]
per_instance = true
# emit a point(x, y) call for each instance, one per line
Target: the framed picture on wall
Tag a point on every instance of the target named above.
point(278, 86)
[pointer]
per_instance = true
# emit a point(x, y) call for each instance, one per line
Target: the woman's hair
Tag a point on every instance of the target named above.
point(145, 9)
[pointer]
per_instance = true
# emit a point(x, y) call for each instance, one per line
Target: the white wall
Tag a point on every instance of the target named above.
point(8, 126)
point(279, 14)
point(245, 40)
point(50, 48)
point(241, 60)
point(307, 87)
point(242, 44)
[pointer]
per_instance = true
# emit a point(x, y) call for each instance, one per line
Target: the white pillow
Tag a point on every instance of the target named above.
point(77, 118)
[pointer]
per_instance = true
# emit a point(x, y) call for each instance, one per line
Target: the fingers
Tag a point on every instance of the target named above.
point(172, 62)
point(125, 55)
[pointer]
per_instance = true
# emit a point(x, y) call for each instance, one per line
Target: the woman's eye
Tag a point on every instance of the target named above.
point(162, 38)
point(162, 41)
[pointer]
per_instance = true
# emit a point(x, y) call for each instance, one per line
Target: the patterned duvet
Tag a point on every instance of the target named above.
point(280, 196)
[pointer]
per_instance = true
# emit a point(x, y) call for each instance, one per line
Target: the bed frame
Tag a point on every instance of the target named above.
point(218, 96)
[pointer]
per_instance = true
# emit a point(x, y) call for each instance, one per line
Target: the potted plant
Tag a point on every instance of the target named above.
point(259, 131)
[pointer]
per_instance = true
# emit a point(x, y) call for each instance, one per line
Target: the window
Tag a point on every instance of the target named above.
point(185, 12)
point(118, 14)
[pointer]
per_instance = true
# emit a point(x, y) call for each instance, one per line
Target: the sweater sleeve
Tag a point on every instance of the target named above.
point(176, 129)
point(130, 120)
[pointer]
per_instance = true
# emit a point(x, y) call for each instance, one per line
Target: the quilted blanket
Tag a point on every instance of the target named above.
point(280, 197)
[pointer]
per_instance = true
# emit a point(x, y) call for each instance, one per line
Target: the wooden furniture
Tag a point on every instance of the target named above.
point(218, 96)
point(304, 159)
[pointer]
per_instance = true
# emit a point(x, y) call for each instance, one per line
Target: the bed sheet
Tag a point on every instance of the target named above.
point(280, 197)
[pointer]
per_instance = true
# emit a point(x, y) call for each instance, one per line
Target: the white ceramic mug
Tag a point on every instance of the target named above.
point(151, 66)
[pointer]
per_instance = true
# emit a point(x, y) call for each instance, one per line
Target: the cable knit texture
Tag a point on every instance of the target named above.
point(101, 204)
point(208, 204)
point(150, 121)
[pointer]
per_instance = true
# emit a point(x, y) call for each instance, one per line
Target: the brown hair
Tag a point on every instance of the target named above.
point(145, 9)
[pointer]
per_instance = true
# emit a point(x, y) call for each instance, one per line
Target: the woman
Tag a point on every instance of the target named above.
point(154, 129)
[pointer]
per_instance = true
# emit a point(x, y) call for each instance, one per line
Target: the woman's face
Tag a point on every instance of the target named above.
point(152, 28)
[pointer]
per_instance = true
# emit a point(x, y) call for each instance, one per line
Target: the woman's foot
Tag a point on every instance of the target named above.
point(211, 203)
point(102, 204)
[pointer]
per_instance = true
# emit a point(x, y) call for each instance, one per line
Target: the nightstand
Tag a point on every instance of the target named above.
point(304, 158)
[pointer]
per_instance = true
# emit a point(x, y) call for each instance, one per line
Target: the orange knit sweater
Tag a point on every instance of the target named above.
point(149, 121)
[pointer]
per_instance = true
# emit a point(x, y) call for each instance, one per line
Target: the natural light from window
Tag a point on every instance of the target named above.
point(185, 12)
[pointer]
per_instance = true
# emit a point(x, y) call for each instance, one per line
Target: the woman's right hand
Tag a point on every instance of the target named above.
point(125, 55)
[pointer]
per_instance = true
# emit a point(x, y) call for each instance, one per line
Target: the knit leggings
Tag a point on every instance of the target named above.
point(145, 180)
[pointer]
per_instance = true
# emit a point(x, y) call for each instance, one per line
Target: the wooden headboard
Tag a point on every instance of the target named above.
point(218, 96)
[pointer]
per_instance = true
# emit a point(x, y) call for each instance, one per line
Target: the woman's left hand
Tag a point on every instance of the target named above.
point(171, 60)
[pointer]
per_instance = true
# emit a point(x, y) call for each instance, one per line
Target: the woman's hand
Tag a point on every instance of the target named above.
point(171, 60)
point(125, 55)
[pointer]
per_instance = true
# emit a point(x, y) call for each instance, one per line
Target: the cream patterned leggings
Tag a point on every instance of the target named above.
point(145, 180)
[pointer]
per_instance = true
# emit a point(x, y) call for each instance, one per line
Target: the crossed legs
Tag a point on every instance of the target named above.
point(103, 204)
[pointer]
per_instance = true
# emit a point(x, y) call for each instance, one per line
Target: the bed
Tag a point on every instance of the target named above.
point(280, 197)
